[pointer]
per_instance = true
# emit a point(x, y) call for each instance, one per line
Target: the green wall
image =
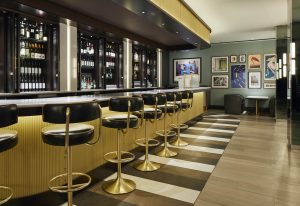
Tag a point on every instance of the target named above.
point(226, 49)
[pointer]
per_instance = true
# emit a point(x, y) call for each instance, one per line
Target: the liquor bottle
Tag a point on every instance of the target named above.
point(37, 32)
point(41, 33)
point(45, 37)
point(27, 31)
point(22, 49)
point(31, 31)
point(32, 50)
point(22, 29)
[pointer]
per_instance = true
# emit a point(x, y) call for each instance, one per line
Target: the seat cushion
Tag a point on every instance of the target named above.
point(184, 105)
point(119, 121)
point(149, 113)
point(78, 134)
point(8, 139)
point(170, 108)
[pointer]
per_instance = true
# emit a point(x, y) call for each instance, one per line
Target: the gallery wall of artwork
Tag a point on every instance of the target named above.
point(245, 68)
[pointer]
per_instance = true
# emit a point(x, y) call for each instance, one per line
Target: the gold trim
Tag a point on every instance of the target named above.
point(185, 16)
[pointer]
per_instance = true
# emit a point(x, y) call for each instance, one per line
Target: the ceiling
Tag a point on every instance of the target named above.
point(240, 20)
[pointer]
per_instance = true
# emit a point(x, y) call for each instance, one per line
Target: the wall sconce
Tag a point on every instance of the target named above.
point(280, 64)
point(293, 60)
point(284, 71)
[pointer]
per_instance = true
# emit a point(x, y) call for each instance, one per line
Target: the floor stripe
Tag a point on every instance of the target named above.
point(163, 189)
point(226, 120)
point(203, 137)
point(212, 130)
point(181, 163)
point(218, 124)
point(200, 149)
point(216, 115)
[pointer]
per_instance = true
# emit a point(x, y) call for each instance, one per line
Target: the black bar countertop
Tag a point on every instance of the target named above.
point(33, 106)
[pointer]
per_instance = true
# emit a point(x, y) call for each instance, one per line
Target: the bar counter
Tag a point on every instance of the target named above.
point(31, 164)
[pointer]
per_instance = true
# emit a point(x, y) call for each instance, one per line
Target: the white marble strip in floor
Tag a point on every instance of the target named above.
point(216, 115)
point(160, 188)
point(200, 149)
point(204, 137)
point(212, 130)
point(225, 120)
point(181, 163)
point(218, 124)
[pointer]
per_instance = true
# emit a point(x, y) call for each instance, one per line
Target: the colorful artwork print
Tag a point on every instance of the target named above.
point(238, 76)
point(186, 66)
point(270, 66)
point(254, 61)
point(254, 80)
point(219, 64)
point(219, 81)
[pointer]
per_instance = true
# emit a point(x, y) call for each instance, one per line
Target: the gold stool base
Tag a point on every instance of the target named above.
point(6, 190)
point(119, 186)
point(166, 152)
point(147, 166)
point(179, 143)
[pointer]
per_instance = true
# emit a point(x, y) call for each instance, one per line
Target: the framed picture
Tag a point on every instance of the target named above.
point(242, 58)
point(254, 80)
point(270, 66)
point(238, 76)
point(254, 61)
point(219, 81)
point(186, 66)
point(269, 85)
point(219, 64)
point(233, 59)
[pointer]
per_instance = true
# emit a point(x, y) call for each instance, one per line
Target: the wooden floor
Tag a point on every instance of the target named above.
point(257, 168)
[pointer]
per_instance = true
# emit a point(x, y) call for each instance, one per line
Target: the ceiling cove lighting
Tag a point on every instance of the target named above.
point(69, 72)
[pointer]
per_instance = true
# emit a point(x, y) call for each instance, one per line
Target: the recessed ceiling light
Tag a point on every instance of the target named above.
point(162, 24)
point(187, 38)
point(177, 32)
point(196, 43)
point(143, 12)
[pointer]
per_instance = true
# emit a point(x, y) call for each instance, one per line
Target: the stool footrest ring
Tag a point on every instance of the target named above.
point(9, 190)
point(74, 187)
point(151, 142)
point(161, 133)
point(113, 157)
point(180, 126)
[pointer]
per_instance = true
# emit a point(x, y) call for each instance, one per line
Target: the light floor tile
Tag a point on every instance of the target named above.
point(212, 130)
point(225, 120)
point(181, 163)
point(200, 149)
point(163, 189)
point(218, 124)
point(203, 137)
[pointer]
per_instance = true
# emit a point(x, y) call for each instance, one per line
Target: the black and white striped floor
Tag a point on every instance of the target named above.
point(180, 179)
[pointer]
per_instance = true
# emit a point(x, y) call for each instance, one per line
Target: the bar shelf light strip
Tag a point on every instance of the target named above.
point(293, 56)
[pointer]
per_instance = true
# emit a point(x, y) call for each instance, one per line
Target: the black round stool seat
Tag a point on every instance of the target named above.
point(119, 121)
point(170, 108)
point(8, 139)
point(149, 113)
point(184, 105)
point(187, 94)
point(78, 134)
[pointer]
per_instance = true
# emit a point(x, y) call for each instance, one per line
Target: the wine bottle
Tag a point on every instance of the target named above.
point(37, 32)
point(27, 31)
point(32, 31)
point(41, 33)
point(45, 37)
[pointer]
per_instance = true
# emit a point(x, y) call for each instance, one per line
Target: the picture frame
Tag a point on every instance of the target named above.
point(238, 76)
point(233, 59)
point(254, 80)
point(219, 64)
point(270, 66)
point(269, 85)
point(254, 61)
point(219, 81)
point(186, 66)
point(242, 58)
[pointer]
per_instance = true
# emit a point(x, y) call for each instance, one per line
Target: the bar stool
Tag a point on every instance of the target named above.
point(67, 131)
point(183, 102)
point(168, 106)
point(8, 138)
point(150, 115)
point(122, 122)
